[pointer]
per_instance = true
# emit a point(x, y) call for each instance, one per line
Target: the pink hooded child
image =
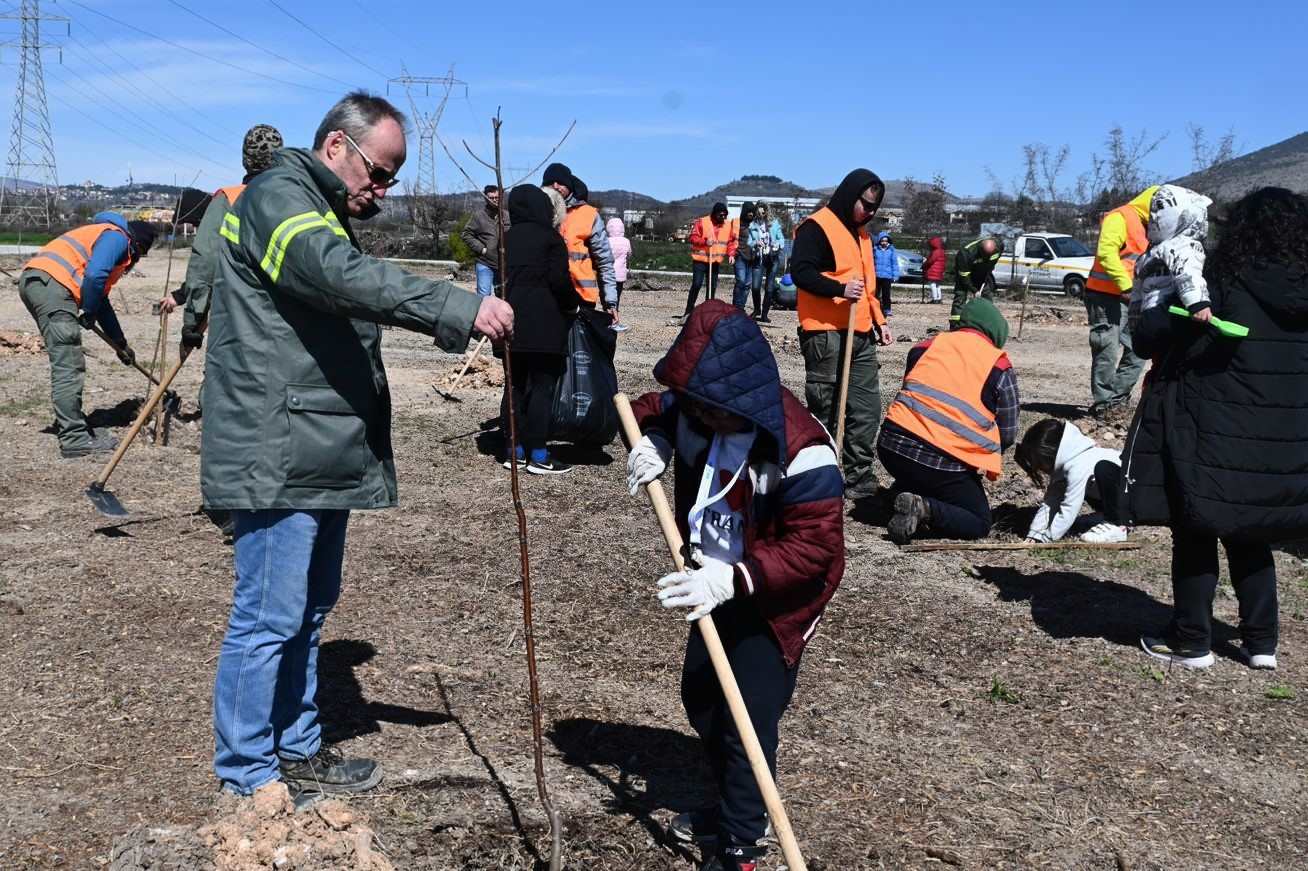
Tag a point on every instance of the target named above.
point(621, 247)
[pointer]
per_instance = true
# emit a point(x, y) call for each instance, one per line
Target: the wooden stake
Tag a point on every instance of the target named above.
point(721, 665)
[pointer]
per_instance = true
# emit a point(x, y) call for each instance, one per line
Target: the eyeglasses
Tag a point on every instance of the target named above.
point(379, 176)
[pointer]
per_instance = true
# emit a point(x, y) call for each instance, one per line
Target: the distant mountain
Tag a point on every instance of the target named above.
point(17, 184)
point(620, 199)
point(1284, 164)
point(895, 192)
point(746, 185)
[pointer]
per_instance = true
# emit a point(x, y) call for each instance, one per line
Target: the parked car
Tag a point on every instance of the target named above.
point(910, 265)
point(1053, 262)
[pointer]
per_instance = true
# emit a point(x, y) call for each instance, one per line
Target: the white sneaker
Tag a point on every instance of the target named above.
point(1159, 649)
point(1262, 661)
point(1105, 533)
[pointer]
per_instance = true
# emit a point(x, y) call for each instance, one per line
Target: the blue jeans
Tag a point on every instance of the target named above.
point(744, 281)
point(288, 576)
point(486, 279)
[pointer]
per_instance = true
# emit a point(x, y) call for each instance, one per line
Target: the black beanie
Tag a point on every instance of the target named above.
point(579, 189)
point(142, 234)
point(557, 173)
point(718, 209)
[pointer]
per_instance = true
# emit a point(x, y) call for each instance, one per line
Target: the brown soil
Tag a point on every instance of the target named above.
point(963, 709)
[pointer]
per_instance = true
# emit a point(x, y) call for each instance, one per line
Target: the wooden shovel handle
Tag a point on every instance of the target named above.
point(138, 423)
point(842, 402)
point(730, 689)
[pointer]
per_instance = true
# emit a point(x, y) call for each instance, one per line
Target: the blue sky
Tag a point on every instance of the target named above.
point(674, 98)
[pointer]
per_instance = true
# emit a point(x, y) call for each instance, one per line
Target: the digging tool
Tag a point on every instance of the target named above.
point(1229, 329)
point(105, 501)
point(95, 328)
point(846, 361)
point(739, 714)
point(1020, 545)
point(449, 394)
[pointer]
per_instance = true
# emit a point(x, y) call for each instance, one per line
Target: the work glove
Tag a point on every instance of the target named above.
point(126, 355)
point(1039, 535)
point(647, 461)
point(191, 339)
point(701, 589)
point(86, 320)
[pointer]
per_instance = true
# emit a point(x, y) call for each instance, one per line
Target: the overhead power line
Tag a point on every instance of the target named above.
point(255, 45)
point(197, 53)
point(306, 26)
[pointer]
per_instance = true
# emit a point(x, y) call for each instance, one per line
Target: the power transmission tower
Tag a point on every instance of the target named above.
point(426, 121)
point(31, 144)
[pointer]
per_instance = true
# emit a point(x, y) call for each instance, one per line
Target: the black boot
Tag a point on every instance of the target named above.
point(734, 857)
point(329, 772)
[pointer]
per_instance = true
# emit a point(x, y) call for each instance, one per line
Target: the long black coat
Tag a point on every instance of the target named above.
point(537, 282)
point(1219, 443)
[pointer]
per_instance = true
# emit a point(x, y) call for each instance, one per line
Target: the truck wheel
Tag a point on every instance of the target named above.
point(1074, 286)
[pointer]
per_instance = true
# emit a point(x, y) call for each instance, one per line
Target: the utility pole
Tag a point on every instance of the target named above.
point(31, 143)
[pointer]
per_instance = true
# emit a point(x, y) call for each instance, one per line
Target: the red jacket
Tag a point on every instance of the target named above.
point(933, 268)
point(794, 502)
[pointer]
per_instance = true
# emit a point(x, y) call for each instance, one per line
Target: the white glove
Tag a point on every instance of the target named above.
point(647, 461)
point(1038, 535)
point(701, 589)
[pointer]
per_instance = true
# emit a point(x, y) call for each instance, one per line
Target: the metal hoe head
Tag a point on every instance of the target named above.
point(105, 501)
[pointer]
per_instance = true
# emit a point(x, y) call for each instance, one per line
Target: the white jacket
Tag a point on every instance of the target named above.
point(1074, 466)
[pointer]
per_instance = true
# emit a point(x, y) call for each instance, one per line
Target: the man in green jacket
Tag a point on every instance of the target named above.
point(297, 432)
point(974, 266)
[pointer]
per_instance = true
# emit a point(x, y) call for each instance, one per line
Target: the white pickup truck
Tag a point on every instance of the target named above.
point(1053, 262)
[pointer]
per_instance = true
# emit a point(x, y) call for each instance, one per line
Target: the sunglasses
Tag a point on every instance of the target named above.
point(871, 207)
point(379, 176)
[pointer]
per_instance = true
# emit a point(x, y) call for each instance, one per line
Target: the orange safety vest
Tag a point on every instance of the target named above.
point(576, 229)
point(232, 192)
point(64, 259)
point(940, 401)
point(718, 239)
point(1137, 242)
point(853, 260)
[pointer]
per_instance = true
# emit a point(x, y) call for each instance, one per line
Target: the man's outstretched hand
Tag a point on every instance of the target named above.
point(494, 319)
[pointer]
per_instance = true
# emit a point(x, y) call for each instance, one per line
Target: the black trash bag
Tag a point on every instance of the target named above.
point(583, 411)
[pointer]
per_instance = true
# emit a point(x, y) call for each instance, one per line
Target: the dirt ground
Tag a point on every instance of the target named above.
point(959, 709)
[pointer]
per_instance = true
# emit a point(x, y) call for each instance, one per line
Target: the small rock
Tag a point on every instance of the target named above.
point(334, 814)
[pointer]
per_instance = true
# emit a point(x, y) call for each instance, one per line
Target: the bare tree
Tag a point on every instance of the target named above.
point(1205, 154)
point(924, 209)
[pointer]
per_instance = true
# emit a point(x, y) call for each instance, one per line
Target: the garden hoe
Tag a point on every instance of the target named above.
point(104, 500)
point(730, 689)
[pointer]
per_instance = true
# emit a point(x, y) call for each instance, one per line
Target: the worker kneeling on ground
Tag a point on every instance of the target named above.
point(950, 423)
point(76, 272)
point(298, 420)
point(758, 499)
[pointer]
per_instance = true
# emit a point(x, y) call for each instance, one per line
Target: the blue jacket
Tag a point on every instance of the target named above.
point(757, 234)
point(887, 259)
point(107, 252)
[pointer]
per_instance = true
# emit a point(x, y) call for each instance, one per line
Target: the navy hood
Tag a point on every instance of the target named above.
point(721, 358)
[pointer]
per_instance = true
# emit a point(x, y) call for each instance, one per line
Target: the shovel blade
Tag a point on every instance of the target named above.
point(105, 501)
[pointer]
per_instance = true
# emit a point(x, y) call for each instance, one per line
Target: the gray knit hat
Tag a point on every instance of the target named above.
point(261, 143)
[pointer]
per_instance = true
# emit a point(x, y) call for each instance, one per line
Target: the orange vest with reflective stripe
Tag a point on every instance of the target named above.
point(232, 192)
point(853, 260)
point(576, 229)
point(717, 239)
point(1137, 242)
point(64, 259)
point(940, 401)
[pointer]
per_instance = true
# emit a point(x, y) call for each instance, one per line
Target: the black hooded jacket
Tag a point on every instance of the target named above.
point(1217, 444)
point(812, 254)
point(537, 284)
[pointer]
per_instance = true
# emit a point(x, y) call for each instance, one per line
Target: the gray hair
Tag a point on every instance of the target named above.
point(356, 114)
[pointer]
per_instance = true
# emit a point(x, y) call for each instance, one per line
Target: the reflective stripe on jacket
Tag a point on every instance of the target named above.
point(940, 401)
point(853, 260)
point(576, 229)
point(1129, 248)
point(718, 240)
point(64, 259)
